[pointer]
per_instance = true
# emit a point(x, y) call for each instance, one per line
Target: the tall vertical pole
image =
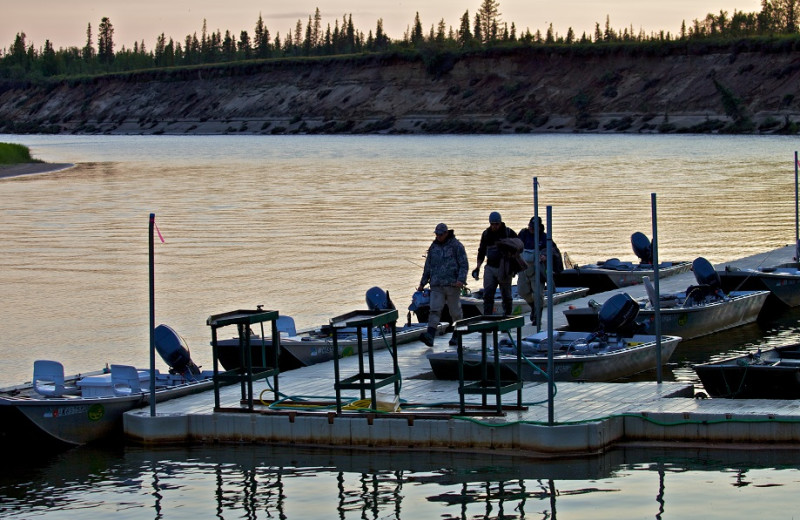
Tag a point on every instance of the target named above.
point(796, 215)
point(152, 322)
point(657, 303)
point(536, 272)
point(550, 375)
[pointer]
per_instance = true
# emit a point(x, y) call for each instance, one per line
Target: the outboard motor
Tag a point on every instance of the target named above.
point(705, 274)
point(710, 285)
point(175, 352)
point(642, 247)
point(378, 299)
point(618, 315)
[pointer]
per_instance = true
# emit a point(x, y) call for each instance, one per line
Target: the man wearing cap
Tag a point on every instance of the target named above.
point(530, 288)
point(446, 268)
point(492, 276)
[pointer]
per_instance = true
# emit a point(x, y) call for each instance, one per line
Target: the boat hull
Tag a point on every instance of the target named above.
point(784, 287)
point(688, 323)
point(774, 374)
point(595, 368)
point(73, 420)
point(601, 279)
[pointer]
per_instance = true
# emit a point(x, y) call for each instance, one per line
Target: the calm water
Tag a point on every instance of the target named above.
point(264, 482)
point(305, 225)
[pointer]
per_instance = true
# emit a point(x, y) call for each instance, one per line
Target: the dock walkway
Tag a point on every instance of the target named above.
point(587, 417)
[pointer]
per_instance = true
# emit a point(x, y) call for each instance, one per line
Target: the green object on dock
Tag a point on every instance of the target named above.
point(485, 325)
point(246, 373)
point(366, 378)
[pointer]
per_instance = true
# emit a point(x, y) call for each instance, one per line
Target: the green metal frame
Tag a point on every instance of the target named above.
point(246, 373)
point(365, 379)
point(486, 325)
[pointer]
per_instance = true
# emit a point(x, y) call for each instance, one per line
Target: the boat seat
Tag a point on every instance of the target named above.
point(651, 291)
point(786, 270)
point(125, 380)
point(286, 324)
point(48, 378)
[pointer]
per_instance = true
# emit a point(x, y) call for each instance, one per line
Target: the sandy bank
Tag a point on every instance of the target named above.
point(12, 170)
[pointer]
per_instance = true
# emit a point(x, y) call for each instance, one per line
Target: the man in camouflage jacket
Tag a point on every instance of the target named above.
point(446, 268)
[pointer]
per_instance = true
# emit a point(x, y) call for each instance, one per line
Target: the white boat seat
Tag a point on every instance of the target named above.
point(125, 380)
point(651, 291)
point(48, 378)
point(786, 270)
point(286, 324)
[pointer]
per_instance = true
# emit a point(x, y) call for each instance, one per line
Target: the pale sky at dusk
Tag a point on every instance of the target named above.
point(64, 22)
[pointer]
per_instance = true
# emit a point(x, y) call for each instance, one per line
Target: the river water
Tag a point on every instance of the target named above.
point(305, 225)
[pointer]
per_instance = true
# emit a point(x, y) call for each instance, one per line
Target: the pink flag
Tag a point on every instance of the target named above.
point(158, 231)
point(153, 221)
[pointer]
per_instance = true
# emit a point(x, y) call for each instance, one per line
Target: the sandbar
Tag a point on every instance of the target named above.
point(13, 170)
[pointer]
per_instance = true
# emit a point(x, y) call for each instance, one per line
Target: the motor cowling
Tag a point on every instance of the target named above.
point(618, 313)
point(378, 299)
point(705, 274)
point(175, 352)
point(642, 247)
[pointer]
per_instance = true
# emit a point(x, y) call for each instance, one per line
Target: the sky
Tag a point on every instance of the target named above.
point(64, 22)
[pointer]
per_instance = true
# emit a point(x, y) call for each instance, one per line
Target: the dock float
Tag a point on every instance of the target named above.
point(589, 418)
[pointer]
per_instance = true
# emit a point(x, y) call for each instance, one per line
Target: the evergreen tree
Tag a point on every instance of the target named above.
point(158, 53)
point(489, 12)
point(352, 44)
point(464, 34)
point(328, 44)
point(551, 36)
point(228, 47)
point(245, 47)
point(381, 40)
point(18, 57)
point(49, 61)
point(316, 31)
point(308, 42)
point(88, 49)
point(105, 41)
point(261, 41)
point(204, 43)
point(441, 32)
point(478, 31)
point(416, 35)
point(298, 35)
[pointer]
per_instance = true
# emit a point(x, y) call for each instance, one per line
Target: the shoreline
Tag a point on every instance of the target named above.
point(15, 170)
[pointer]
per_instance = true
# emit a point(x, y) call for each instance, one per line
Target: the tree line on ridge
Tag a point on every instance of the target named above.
point(485, 30)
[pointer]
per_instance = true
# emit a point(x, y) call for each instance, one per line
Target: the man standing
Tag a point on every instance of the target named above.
point(531, 288)
point(446, 268)
point(492, 276)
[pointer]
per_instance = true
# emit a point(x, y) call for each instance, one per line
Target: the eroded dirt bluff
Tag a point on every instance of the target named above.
point(521, 92)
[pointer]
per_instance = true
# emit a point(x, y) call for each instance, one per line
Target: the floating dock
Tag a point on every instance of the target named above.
point(587, 417)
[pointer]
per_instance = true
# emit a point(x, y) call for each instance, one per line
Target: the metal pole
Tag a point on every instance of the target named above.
point(657, 303)
point(796, 215)
point(536, 272)
point(152, 322)
point(550, 376)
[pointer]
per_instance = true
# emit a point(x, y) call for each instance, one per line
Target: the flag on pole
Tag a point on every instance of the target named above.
point(158, 231)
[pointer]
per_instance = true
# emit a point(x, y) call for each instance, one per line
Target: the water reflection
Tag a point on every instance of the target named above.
point(257, 482)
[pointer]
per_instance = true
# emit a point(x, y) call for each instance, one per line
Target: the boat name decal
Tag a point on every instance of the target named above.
point(62, 411)
point(93, 412)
